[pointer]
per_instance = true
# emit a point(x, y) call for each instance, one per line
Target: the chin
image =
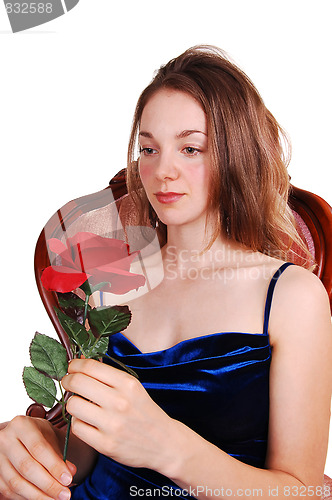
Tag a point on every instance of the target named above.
point(171, 221)
point(176, 216)
point(176, 219)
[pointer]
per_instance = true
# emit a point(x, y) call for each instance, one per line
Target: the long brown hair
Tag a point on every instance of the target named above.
point(249, 154)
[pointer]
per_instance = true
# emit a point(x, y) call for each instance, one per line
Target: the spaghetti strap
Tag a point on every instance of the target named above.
point(269, 296)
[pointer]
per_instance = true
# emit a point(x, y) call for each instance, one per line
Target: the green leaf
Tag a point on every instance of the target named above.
point(105, 321)
point(73, 306)
point(70, 299)
point(39, 387)
point(98, 348)
point(76, 332)
point(48, 356)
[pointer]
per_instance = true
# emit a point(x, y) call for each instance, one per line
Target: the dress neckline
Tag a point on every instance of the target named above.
point(191, 340)
point(200, 338)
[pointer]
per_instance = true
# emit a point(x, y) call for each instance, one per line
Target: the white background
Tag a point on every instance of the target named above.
point(67, 95)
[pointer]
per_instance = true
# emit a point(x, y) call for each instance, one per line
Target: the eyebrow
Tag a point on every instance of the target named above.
point(185, 133)
point(181, 135)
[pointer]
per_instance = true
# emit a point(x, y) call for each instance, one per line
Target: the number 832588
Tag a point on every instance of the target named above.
point(29, 8)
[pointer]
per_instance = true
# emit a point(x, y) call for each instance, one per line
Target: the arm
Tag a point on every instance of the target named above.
point(118, 418)
point(300, 396)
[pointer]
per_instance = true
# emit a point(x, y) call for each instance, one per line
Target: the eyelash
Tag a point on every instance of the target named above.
point(194, 152)
point(145, 151)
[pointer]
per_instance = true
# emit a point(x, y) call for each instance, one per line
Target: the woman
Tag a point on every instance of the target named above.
point(228, 403)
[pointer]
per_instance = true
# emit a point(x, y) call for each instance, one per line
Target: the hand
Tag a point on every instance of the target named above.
point(112, 412)
point(31, 464)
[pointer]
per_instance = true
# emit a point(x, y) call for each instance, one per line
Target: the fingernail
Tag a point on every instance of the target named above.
point(64, 495)
point(66, 479)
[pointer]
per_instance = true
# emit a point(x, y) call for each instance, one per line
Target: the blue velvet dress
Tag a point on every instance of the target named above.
point(218, 385)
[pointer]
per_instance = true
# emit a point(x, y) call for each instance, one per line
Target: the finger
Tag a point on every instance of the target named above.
point(72, 467)
point(29, 471)
point(41, 451)
point(85, 411)
point(89, 434)
point(17, 487)
point(100, 371)
point(7, 493)
point(87, 387)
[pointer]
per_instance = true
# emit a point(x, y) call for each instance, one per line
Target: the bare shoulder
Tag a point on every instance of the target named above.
point(300, 305)
point(299, 286)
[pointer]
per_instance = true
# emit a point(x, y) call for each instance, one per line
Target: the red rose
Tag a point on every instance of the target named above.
point(92, 257)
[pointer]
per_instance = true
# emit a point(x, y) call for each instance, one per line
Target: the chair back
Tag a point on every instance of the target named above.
point(313, 216)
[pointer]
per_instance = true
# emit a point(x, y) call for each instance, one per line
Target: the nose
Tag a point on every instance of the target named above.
point(166, 167)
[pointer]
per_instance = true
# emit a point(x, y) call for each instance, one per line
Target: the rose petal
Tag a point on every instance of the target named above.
point(60, 249)
point(56, 245)
point(62, 279)
point(90, 242)
point(95, 257)
point(87, 240)
point(121, 264)
point(121, 281)
point(102, 259)
point(122, 284)
point(96, 241)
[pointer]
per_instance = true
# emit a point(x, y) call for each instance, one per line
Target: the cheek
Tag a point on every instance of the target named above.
point(200, 180)
point(145, 172)
point(199, 175)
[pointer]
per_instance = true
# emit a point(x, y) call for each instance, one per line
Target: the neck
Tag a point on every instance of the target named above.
point(186, 249)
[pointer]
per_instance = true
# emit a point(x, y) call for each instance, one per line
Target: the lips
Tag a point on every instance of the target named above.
point(168, 197)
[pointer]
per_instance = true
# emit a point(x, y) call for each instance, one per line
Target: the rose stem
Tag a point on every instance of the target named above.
point(86, 303)
point(87, 297)
point(67, 439)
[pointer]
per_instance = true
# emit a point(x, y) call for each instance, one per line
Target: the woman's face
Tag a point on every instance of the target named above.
point(174, 160)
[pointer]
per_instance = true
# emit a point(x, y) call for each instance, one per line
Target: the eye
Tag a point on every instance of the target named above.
point(191, 151)
point(147, 151)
